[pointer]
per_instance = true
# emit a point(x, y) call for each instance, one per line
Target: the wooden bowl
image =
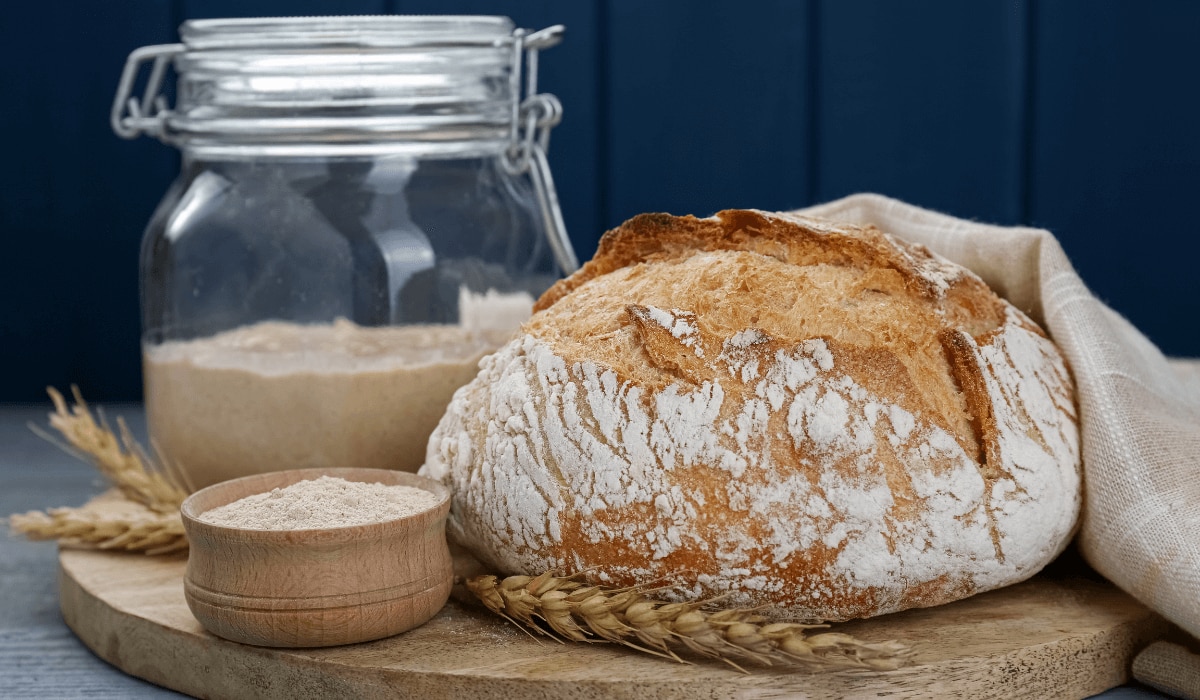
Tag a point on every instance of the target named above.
point(317, 587)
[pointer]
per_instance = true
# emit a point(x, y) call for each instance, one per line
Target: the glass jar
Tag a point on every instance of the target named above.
point(364, 210)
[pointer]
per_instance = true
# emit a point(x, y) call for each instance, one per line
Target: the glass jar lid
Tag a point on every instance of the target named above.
point(352, 31)
point(337, 85)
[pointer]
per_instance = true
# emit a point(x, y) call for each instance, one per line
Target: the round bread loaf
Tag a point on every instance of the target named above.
point(814, 417)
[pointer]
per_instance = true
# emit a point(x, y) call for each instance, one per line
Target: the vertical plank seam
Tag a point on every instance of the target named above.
point(812, 94)
point(1027, 109)
point(177, 14)
point(603, 115)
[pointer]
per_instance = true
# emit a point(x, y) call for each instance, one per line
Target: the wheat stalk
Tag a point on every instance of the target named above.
point(566, 608)
point(110, 521)
point(117, 455)
point(141, 515)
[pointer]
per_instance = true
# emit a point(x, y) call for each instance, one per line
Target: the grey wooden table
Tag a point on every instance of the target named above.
point(39, 656)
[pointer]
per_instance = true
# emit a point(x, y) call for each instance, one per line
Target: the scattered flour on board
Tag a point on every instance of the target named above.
point(324, 502)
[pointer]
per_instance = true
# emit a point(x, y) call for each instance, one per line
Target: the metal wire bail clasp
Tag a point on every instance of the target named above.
point(532, 119)
point(131, 117)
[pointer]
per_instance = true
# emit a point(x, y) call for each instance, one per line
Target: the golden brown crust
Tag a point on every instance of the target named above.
point(885, 298)
point(658, 237)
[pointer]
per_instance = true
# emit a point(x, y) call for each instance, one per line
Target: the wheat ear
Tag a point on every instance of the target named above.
point(113, 523)
point(117, 455)
point(566, 608)
point(141, 515)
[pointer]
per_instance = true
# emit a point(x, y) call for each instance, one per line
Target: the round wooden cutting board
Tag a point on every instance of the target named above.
point(1045, 638)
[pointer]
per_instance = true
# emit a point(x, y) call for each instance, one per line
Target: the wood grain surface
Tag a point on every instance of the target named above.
point(1045, 638)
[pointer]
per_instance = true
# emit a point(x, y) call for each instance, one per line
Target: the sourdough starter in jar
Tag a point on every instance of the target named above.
point(360, 167)
point(278, 395)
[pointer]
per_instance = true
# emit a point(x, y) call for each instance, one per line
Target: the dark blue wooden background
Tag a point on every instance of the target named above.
point(1078, 115)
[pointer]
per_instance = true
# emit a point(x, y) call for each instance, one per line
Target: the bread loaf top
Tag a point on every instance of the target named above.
point(786, 411)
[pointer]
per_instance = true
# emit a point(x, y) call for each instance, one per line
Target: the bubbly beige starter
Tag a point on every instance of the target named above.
point(278, 395)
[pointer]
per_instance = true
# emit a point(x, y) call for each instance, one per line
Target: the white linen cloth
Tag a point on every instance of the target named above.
point(1139, 416)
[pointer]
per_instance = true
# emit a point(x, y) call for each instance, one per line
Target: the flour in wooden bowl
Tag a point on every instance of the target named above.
point(324, 502)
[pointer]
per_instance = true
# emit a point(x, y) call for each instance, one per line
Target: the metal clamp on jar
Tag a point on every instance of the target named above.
point(364, 210)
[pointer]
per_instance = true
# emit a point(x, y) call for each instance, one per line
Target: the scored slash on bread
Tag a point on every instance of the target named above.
point(794, 413)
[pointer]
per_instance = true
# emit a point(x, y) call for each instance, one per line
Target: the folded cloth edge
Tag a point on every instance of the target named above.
point(1170, 668)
